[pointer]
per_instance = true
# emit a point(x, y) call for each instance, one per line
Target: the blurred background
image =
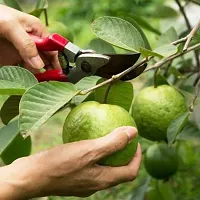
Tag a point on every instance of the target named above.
point(72, 19)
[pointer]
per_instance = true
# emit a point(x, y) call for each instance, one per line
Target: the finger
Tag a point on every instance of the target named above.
point(112, 142)
point(25, 45)
point(115, 175)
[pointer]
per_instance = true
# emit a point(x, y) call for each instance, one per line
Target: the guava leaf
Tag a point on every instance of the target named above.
point(140, 192)
point(13, 4)
point(83, 84)
point(100, 46)
point(168, 37)
point(166, 50)
point(121, 94)
point(146, 53)
point(19, 147)
point(118, 32)
point(176, 127)
point(134, 23)
point(15, 80)
point(41, 101)
point(7, 134)
point(189, 132)
point(39, 7)
point(10, 109)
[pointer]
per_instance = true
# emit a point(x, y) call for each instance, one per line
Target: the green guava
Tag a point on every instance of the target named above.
point(91, 120)
point(155, 108)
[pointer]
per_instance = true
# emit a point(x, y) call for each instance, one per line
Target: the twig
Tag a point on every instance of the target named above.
point(170, 58)
point(182, 10)
point(195, 2)
point(191, 107)
point(116, 77)
point(191, 35)
point(179, 41)
point(107, 92)
point(184, 14)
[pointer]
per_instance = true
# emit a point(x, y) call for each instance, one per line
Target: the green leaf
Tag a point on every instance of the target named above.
point(18, 75)
point(15, 80)
point(10, 88)
point(10, 109)
point(166, 50)
point(121, 94)
point(176, 127)
point(39, 7)
point(118, 32)
point(189, 96)
point(7, 134)
point(163, 11)
point(13, 4)
point(161, 80)
point(101, 46)
point(140, 192)
point(41, 101)
point(176, 73)
point(189, 132)
point(18, 148)
point(168, 37)
point(83, 84)
point(147, 53)
point(134, 23)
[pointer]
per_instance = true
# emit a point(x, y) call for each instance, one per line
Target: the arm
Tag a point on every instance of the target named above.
point(69, 169)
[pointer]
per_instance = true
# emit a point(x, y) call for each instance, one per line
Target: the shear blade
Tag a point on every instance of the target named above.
point(119, 63)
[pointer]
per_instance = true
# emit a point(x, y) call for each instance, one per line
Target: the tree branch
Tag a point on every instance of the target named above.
point(195, 2)
point(170, 58)
point(191, 107)
point(191, 35)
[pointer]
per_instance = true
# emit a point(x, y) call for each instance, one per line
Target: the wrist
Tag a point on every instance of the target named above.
point(23, 179)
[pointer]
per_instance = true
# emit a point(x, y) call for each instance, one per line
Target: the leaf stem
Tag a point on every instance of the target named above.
point(46, 17)
point(191, 107)
point(154, 77)
point(107, 92)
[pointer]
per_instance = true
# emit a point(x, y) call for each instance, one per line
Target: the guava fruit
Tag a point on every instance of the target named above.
point(161, 161)
point(91, 120)
point(155, 108)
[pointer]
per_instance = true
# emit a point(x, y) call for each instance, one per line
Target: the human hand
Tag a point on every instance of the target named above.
point(16, 46)
point(71, 169)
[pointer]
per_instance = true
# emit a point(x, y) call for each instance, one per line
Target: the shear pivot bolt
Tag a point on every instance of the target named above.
point(86, 67)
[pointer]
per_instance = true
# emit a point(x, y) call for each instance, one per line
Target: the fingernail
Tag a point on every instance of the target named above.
point(131, 132)
point(37, 62)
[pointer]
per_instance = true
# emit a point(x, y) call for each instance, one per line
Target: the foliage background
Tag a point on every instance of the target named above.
point(78, 15)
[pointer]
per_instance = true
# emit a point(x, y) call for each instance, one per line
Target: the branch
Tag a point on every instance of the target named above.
point(179, 41)
point(195, 2)
point(191, 35)
point(116, 77)
point(170, 58)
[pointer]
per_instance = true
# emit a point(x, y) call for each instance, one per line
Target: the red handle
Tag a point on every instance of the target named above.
point(54, 42)
point(52, 75)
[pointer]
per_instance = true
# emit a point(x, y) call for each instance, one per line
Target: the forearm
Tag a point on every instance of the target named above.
point(21, 180)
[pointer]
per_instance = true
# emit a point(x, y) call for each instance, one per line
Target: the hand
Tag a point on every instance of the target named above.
point(16, 46)
point(70, 169)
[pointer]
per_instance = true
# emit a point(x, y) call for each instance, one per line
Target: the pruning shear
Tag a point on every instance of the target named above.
point(77, 63)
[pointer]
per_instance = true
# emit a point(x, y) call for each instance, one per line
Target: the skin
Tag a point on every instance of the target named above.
point(68, 169)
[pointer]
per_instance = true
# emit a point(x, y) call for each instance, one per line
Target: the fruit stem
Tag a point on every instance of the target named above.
point(46, 17)
point(155, 76)
point(107, 92)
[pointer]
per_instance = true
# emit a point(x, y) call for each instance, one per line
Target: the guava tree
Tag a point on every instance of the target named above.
point(172, 63)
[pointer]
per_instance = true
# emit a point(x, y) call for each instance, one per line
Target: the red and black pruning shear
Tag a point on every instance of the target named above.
point(77, 63)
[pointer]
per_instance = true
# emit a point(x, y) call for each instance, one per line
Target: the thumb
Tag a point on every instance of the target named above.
point(114, 141)
point(25, 45)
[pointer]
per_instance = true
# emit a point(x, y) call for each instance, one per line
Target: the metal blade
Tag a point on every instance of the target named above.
point(86, 65)
point(119, 63)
